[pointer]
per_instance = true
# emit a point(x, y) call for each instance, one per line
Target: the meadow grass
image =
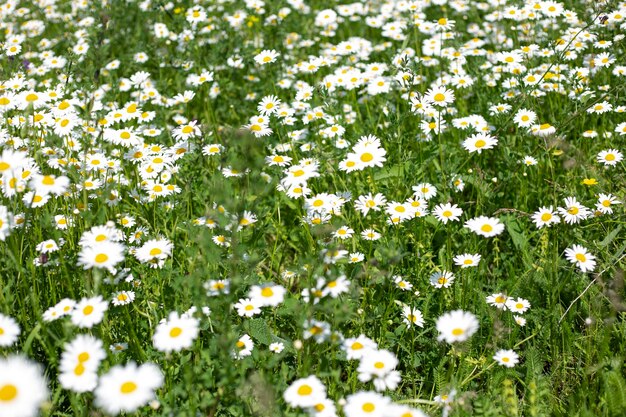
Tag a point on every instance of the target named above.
point(386, 208)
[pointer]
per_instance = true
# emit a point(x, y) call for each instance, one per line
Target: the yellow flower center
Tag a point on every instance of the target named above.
point(128, 387)
point(457, 332)
point(486, 228)
point(439, 97)
point(366, 157)
point(580, 257)
point(101, 258)
point(155, 252)
point(379, 365)
point(305, 390)
point(88, 310)
point(176, 331)
point(368, 407)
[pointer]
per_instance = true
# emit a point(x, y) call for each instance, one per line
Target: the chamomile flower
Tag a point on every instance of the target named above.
point(23, 387)
point(266, 57)
point(605, 201)
point(479, 142)
point(610, 157)
point(518, 305)
point(498, 301)
point(412, 317)
point(305, 392)
point(243, 347)
point(89, 311)
point(125, 388)
point(247, 307)
point(176, 333)
point(366, 404)
point(267, 294)
point(440, 96)
point(467, 260)
point(447, 212)
point(456, 326)
point(507, 358)
point(9, 330)
point(545, 216)
point(442, 279)
point(579, 256)
point(573, 212)
point(485, 226)
point(356, 348)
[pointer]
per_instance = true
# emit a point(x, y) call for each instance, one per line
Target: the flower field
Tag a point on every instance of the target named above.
point(384, 208)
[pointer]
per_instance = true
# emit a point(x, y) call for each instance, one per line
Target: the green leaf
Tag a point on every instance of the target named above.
point(610, 237)
point(259, 331)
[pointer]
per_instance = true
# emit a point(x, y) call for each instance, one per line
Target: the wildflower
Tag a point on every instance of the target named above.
point(154, 252)
point(579, 256)
point(121, 298)
point(545, 216)
point(366, 404)
point(425, 191)
point(356, 348)
point(175, 333)
point(456, 326)
point(266, 57)
point(23, 387)
point(525, 118)
point(479, 141)
point(379, 366)
point(467, 260)
point(128, 387)
point(247, 307)
point(412, 317)
point(517, 306)
point(318, 330)
point(267, 295)
point(440, 96)
point(276, 347)
point(443, 279)
point(485, 226)
point(243, 347)
point(506, 358)
point(9, 330)
point(573, 212)
point(102, 255)
point(605, 201)
point(79, 363)
point(447, 212)
point(498, 300)
point(610, 157)
point(402, 283)
point(368, 202)
point(370, 234)
point(305, 392)
point(89, 312)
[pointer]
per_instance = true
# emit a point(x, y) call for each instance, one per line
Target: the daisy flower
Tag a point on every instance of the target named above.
point(276, 347)
point(247, 307)
point(175, 333)
point(356, 348)
point(266, 57)
point(610, 157)
point(498, 301)
point(267, 295)
point(442, 279)
point(366, 404)
point(412, 317)
point(545, 216)
point(125, 388)
point(243, 347)
point(440, 96)
point(605, 201)
point(467, 260)
point(305, 392)
point(485, 226)
point(506, 358)
point(425, 191)
point(479, 142)
point(519, 305)
point(102, 255)
point(579, 256)
point(89, 311)
point(456, 326)
point(154, 251)
point(573, 212)
point(447, 212)
point(23, 387)
point(9, 330)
